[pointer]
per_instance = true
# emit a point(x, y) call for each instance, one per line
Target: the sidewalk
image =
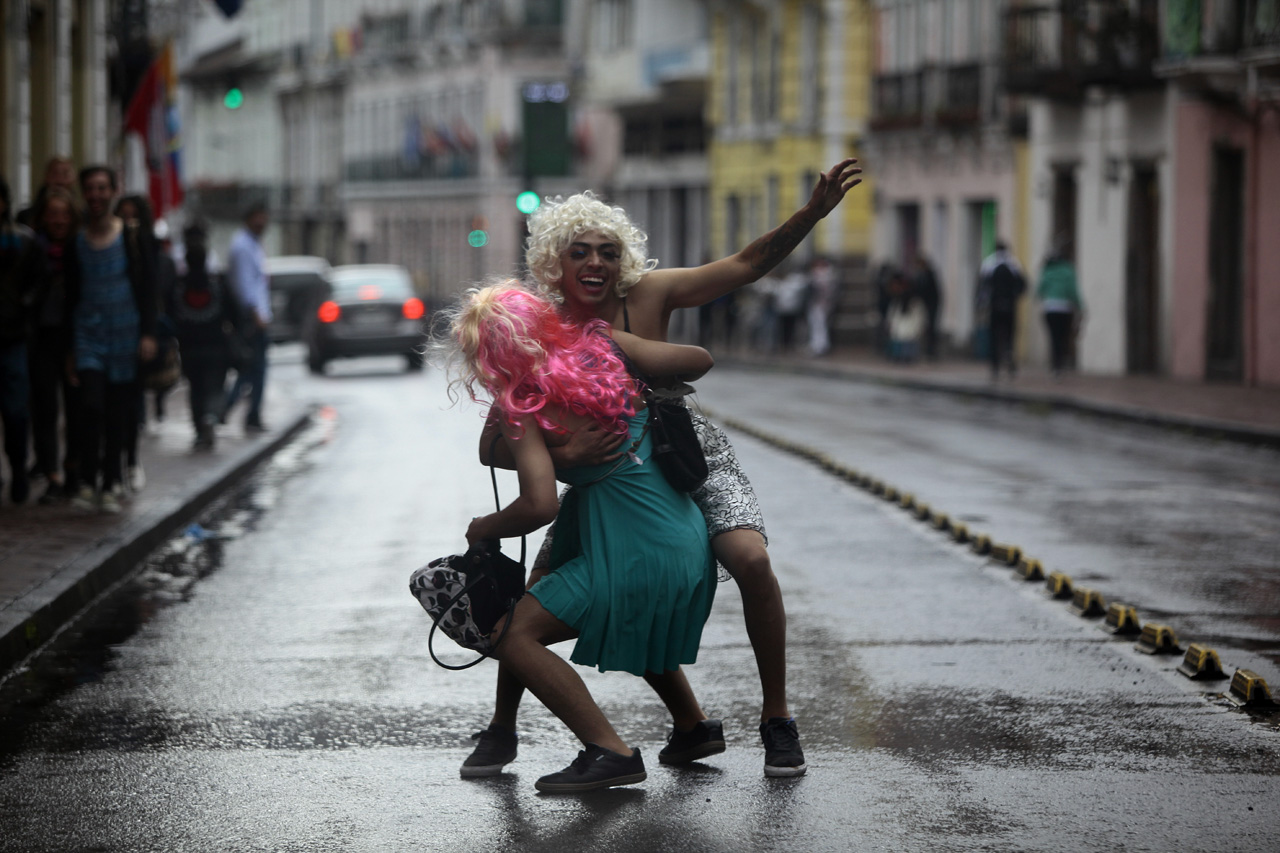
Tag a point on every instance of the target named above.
point(1219, 410)
point(57, 560)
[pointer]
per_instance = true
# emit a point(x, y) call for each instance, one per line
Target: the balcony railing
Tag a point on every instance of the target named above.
point(1227, 29)
point(1058, 50)
point(938, 95)
point(898, 99)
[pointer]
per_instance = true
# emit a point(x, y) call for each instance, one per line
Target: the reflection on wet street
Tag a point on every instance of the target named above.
point(263, 682)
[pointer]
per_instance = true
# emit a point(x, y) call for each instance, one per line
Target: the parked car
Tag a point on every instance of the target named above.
point(369, 309)
point(298, 283)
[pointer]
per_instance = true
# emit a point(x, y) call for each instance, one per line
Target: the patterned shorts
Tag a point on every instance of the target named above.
point(726, 499)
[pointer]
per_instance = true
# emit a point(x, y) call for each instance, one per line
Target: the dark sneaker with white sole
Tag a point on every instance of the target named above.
point(782, 753)
point(495, 749)
point(593, 769)
point(706, 738)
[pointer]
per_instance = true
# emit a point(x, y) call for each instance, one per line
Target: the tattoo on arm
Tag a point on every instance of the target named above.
point(768, 251)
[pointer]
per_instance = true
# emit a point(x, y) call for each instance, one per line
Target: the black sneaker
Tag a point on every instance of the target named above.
point(706, 738)
point(55, 494)
point(595, 768)
point(495, 749)
point(782, 753)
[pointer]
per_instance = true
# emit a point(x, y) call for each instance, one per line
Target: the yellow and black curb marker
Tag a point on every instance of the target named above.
point(1247, 691)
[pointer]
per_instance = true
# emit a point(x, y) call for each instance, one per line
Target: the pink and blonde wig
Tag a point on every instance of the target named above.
point(517, 347)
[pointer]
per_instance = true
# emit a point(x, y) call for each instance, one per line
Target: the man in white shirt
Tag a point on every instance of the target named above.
point(247, 267)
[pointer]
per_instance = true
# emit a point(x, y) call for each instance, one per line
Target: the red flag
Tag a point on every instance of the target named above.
point(153, 116)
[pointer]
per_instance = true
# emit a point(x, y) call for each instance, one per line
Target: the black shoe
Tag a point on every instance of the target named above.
point(56, 493)
point(706, 738)
point(20, 488)
point(254, 426)
point(595, 768)
point(782, 753)
point(495, 748)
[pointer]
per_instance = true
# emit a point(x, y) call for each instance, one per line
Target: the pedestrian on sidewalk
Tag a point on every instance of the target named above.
point(59, 171)
point(111, 300)
point(205, 315)
point(1002, 282)
point(924, 284)
point(247, 268)
point(52, 394)
point(15, 298)
point(790, 297)
point(135, 210)
point(1060, 301)
point(635, 581)
point(823, 285)
point(906, 320)
point(594, 258)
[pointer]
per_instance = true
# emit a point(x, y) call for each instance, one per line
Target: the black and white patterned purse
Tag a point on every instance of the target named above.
point(466, 594)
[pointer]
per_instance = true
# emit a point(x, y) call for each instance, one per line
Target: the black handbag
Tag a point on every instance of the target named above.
point(466, 594)
point(676, 448)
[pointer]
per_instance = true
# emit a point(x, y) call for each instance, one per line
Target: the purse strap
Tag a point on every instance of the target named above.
point(493, 476)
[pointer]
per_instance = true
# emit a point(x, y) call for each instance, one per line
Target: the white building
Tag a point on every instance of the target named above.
point(944, 149)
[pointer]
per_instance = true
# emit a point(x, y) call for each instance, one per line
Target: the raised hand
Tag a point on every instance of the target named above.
point(833, 184)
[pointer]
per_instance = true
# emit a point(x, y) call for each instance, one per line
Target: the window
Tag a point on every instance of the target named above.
point(810, 63)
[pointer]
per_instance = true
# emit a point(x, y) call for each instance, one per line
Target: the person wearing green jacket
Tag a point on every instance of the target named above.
point(1060, 301)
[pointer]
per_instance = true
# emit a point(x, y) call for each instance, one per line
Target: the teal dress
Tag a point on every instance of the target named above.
point(633, 572)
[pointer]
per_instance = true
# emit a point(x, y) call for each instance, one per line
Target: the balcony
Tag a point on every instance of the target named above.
point(1057, 51)
point(1222, 48)
point(937, 96)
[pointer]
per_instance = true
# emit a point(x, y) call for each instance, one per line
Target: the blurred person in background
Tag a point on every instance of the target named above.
point(924, 283)
point(59, 172)
point(136, 210)
point(247, 269)
point(205, 315)
point(790, 297)
point(906, 319)
point(1001, 284)
point(51, 391)
point(823, 285)
point(1060, 302)
point(165, 370)
point(15, 413)
point(112, 302)
point(592, 258)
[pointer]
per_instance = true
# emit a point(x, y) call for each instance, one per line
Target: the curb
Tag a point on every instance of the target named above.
point(1203, 427)
point(88, 577)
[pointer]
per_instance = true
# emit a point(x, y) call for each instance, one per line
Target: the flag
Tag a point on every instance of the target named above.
point(153, 116)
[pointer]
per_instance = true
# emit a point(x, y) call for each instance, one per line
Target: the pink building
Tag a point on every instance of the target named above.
point(1223, 61)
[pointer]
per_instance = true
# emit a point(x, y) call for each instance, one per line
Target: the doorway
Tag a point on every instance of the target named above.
point(1224, 340)
point(1142, 297)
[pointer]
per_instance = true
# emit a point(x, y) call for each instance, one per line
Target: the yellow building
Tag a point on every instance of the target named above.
point(789, 97)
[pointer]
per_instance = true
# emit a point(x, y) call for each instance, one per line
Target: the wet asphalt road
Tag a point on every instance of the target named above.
point(264, 684)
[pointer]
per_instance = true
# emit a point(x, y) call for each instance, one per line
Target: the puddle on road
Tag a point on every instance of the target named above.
point(84, 652)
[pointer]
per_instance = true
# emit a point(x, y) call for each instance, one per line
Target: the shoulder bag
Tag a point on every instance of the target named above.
point(676, 448)
point(466, 594)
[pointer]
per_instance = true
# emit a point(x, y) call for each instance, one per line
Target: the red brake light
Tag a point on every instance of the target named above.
point(414, 309)
point(329, 312)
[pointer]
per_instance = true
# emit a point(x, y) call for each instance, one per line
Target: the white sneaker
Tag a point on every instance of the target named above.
point(137, 478)
point(85, 499)
point(109, 502)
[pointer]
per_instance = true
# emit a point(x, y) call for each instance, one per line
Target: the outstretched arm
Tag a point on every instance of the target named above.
point(655, 358)
point(536, 505)
point(693, 286)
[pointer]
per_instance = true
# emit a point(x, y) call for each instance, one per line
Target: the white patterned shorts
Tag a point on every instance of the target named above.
point(726, 498)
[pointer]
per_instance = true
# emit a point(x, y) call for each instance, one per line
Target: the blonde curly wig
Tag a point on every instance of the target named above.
point(553, 226)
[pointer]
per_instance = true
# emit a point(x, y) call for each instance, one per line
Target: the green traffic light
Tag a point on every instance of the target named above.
point(527, 202)
point(234, 99)
point(477, 238)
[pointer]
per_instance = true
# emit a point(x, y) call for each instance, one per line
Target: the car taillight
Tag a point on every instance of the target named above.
point(414, 309)
point(329, 312)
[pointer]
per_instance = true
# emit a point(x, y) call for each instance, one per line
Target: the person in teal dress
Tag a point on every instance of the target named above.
point(633, 577)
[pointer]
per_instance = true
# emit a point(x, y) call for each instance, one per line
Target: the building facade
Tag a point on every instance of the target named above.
point(789, 97)
point(55, 58)
point(948, 149)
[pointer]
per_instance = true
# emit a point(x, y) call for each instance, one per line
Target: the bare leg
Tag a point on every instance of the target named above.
point(509, 690)
point(555, 683)
point(743, 554)
point(673, 689)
